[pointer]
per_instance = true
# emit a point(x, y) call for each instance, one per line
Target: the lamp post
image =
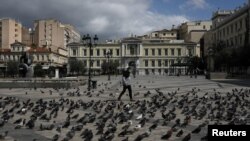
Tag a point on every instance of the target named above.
point(210, 60)
point(87, 41)
point(108, 55)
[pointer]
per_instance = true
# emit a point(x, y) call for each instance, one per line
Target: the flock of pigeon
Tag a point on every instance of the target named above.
point(156, 115)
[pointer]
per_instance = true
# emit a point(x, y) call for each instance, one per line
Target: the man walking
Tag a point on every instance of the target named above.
point(126, 84)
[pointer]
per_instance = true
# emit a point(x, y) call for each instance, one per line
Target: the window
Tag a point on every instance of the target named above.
point(117, 52)
point(146, 63)
point(42, 58)
point(204, 27)
point(146, 71)
point(104, 52)
point(159, 71)
point(85, 52)
point(189, 52)
point(166, 52)
point(98, 63)
point(16, 35)
point(153, 71)
point(153, 52)
point(159, 63)
point(111, 51)
point(236, 27)
point(156, 35)
point(179, 52)
point(240, 24)
point(74, 52)
point(97, 52)
point(132, 49)
point(153, 63)
point(37, 57)
point(166, 71)
point(172, 52)
point(166, 63)
point(159, 52)
point(91, 52)
point(85, 62)
point(172, 62)
point(92, 63)
point(146, 52)
point(232, 29)
point(16, 30)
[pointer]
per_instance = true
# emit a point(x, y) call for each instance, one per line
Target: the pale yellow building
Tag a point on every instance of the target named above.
point(230, 27)
point(162, 34)
point(10, 31)
point(145, 56)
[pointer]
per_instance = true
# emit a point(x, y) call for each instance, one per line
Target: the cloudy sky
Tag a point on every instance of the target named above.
point(114, 19)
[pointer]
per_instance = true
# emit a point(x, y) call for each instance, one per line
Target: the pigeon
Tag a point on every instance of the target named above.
point(197, 130)
point(167, 135)
point(187, 137)
point(179, 133)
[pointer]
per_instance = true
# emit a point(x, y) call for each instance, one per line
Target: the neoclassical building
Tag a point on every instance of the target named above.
point(146, 56)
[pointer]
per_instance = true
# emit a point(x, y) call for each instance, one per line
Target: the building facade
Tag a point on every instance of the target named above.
point(145, 56)
point(194, 32)
point(231, 28)
point(40, 55)
point(10, 32)
point(53, 34)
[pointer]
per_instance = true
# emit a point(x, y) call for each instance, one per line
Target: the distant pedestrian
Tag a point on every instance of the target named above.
point(126, 84)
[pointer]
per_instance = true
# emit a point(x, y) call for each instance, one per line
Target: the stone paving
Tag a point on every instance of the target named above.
point(107, 92)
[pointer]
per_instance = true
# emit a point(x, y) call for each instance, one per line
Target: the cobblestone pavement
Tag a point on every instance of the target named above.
point(170, 88)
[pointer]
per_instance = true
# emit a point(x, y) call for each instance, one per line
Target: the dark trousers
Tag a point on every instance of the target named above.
point(123, 91)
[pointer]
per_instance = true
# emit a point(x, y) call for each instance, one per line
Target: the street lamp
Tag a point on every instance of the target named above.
point(108, 55)
point(210, 59)
point(87, 41)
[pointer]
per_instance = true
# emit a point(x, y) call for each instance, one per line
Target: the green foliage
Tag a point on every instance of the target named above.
point(110, 67)
point(51, 71)
point(77, 67)
point(12, 68)
point(196, 62)
point(228, 58)
point(38, 71)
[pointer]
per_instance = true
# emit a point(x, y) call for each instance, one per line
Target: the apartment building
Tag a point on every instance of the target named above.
point(10, 31)
point(53, 34)
point(145, 56)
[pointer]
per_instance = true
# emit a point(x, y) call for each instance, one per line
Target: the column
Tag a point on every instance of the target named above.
point(56, 73)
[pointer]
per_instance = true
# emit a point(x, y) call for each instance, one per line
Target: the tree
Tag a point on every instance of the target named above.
point(77, 67)
point(38, 71)
point(12, 68)
point(104, 67)
point(110, 67)
point(51, 71)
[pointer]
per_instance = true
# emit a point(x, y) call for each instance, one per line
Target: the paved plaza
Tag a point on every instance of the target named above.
point(163, 104)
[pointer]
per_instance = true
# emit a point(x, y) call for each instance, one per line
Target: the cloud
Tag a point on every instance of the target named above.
point(194, 4)
point(110, 19)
